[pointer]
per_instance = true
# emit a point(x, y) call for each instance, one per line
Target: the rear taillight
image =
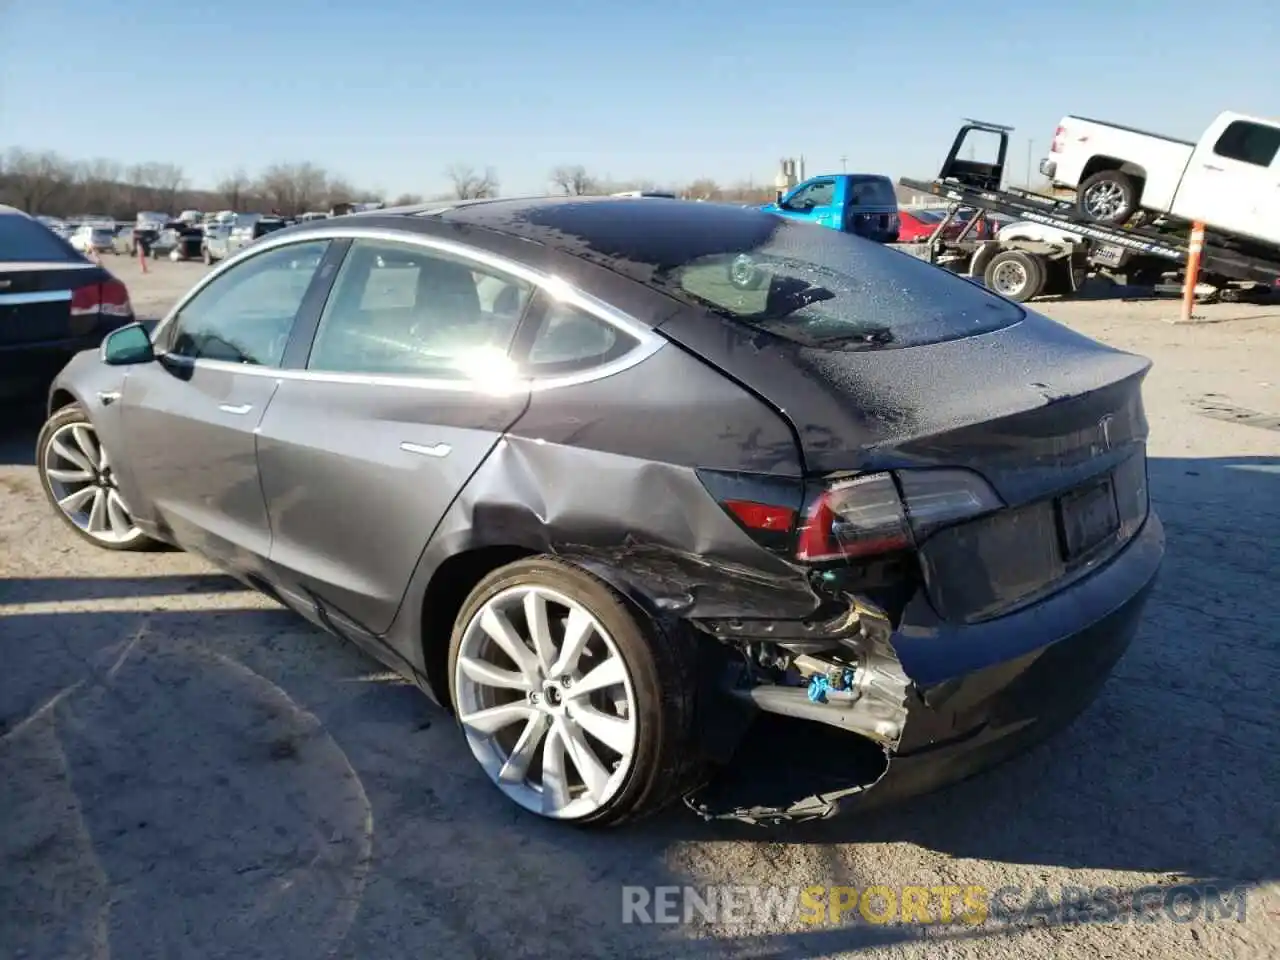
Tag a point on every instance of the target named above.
point(109, 298)
point(875, 514)
point(765, 507)
point(854, 518)
point(1059, 136)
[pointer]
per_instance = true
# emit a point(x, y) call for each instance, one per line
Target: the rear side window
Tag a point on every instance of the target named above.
point(833, 291)
point(872, 192)
point(1252, 143)
point(570, 340)
point(23, 240)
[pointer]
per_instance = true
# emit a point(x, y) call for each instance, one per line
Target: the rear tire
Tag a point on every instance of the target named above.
point(651, 666)
point(1014, 274)
point(1108, 196)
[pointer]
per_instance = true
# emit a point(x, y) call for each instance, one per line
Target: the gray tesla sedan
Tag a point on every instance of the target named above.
point(654, 495)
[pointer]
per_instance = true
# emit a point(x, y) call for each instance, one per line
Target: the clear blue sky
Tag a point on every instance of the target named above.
point(388, 93)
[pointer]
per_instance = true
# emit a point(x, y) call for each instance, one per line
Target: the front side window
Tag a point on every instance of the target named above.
point(1252, 143)
point(401, 309)
point(246, 314)
point(820, 193)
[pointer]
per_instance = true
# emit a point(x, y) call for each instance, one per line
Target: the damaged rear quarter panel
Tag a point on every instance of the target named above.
point(604, 474)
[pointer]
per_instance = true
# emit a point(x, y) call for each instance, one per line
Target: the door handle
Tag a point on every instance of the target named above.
point(234, 408)
point(433, 450)
point(1210, 166)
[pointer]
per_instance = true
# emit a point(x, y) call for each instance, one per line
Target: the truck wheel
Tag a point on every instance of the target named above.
point(1014, 274)
point(1108, 196)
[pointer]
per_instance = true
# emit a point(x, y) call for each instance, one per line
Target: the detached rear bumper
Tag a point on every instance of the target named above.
point(981, 693)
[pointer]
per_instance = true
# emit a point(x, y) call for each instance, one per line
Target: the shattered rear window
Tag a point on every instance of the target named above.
point(832, 291)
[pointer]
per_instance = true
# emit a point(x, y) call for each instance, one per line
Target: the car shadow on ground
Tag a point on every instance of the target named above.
point(252, 780)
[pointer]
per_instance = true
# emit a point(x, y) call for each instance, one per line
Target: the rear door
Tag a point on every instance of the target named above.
point(405, 391)
point(189, 419)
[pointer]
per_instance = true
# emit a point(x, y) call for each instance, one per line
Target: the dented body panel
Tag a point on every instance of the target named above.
point(687, 479)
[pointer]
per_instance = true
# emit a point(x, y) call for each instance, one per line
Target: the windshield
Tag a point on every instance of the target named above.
point(23, 240)
point(833, 291)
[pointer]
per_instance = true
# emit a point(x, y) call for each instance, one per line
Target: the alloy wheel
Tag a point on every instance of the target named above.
point(546, 701)
point(83, 484)
point(1104, 200)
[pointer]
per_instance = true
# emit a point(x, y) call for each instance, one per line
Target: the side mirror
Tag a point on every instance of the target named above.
point(128, 345)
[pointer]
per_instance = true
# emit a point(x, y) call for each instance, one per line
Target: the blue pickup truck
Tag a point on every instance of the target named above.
point(860, 203)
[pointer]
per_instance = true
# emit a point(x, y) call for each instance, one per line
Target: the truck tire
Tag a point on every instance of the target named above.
point(1014, 274)
point(1108, 196)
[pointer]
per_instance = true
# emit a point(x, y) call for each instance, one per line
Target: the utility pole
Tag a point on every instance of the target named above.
point(844, 164)
point(1030, 144)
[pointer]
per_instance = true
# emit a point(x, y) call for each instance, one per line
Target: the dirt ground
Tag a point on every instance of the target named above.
point(187, 770)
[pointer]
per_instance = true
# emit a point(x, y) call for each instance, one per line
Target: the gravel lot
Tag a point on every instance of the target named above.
point(187, 770)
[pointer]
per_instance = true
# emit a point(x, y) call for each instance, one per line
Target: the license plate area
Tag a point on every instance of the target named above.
point(1108, 255)
point(1087, 518)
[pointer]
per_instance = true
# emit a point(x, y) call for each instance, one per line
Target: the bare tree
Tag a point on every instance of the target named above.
point(233, 189)
point(35, 180)
point(167, 179)
point(407, 200)
point(573, 180)
point(293, 188)
point(469, 185)
point(703, 188)
point(339, 191)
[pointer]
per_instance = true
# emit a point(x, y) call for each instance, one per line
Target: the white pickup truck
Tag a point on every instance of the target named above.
point(1229, 180)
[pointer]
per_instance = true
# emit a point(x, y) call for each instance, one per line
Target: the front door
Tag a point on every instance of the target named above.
point(405, 392)
point(190, 418)
point(1226, 184)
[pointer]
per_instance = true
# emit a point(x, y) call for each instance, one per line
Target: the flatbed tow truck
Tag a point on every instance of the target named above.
point(1141, 254)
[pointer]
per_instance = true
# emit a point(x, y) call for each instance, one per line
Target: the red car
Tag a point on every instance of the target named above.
point(917, 226)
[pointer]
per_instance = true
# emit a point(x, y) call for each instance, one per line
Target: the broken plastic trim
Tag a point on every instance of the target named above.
point(867, 700)
point(819, 806)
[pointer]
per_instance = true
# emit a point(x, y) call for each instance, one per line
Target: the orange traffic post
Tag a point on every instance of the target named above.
point(1194, 250)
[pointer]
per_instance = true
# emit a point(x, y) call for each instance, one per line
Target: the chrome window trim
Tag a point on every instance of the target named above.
point(647, 341)
point(36, 296)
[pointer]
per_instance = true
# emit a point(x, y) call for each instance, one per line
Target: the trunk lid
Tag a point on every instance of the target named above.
point(36, 301)
point(1052, 420)
point(1030, 406)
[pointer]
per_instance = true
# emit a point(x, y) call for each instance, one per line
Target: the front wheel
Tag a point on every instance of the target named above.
point(1108, 196)
point(78, 479)
point(577, 706)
